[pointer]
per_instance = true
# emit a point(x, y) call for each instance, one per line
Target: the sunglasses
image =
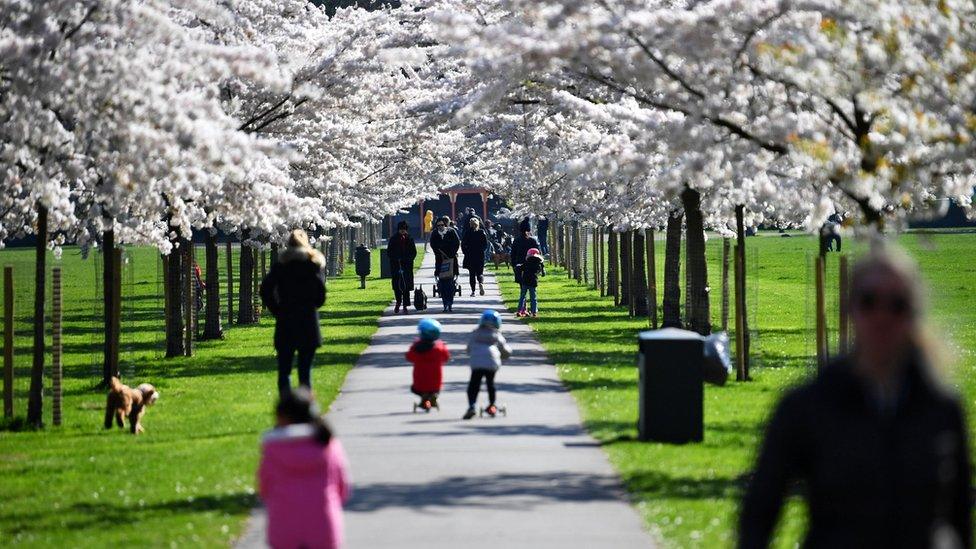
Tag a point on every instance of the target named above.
point(895, 305)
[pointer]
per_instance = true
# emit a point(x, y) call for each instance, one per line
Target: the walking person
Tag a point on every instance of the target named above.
point(445, 244)
point(523, 243)
point(487, 349)
point(529, 272)
point(474, 244)
point(401, 251)
point(293, 291)
point(877, 440)
point(302, 477)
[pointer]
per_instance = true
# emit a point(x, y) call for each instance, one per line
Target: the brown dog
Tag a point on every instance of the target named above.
point(124, 401)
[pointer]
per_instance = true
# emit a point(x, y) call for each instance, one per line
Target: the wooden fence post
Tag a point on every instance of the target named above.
point(230, 284)
point(116, 290)
point(844, 301)
point(8, 341)
point(742, 373)
point(821, 312)
point(56, 345)
point(725, 284)
point(188, 305)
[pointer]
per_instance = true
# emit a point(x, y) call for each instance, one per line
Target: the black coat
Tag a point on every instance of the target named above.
point(521, 247)
point(474, 245)
point(402, 251)
point(871, 478)
point(529, 271)
point(446, 247)
point(293, 291)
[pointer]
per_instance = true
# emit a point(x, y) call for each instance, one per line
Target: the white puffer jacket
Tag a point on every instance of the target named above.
point(487, 348)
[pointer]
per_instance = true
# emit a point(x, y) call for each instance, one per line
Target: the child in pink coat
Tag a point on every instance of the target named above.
point(302, 477)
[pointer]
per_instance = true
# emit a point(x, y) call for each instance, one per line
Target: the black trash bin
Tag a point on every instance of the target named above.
point(362, 264)
point(670, 386)
point(385, 263)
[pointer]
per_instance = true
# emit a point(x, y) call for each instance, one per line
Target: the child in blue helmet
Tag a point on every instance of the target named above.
point(428, 354)
point(486, 349)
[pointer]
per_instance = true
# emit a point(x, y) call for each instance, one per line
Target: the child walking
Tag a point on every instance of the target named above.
point(529, 273)
point(486, 348)
point(302, 477)
point(428, 354)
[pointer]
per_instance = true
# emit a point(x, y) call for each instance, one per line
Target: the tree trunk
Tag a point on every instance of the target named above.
point(651, 278)
point(599, 262)
point(108, 303)
point(211, 322)
point(672, 272)
point(640, 275)
point(626, 270)
point(245, 285)
point(174, 308)
point(613, 267)
point(35, 399)
point(700, 319)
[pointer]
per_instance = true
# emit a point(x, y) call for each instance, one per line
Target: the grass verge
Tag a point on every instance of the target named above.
point(689, 494)
point(190, 479)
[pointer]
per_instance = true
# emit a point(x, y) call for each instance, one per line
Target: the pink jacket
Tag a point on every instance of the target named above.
point(303, 485)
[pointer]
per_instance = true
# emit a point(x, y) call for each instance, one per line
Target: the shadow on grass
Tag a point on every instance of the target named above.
point(108, 514)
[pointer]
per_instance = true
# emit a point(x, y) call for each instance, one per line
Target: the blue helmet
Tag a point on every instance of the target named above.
point(429, 329)
point(491, 318)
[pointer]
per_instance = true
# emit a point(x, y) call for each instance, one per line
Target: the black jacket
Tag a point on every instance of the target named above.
point(521, 247)
point(445, 246)
point(871, 478)
point(529, 271)
point(293, 291)
point(402, 251)
point(474, 245)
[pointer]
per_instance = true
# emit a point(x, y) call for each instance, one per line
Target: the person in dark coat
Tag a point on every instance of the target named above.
point(542, 230)
point(293, 291)
point(877, 443)
point(402, 251)
point(521, 246)
point(474, 244)
point(445, 244)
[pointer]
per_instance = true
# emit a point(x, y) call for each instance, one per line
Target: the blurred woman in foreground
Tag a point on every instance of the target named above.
point(878, 444)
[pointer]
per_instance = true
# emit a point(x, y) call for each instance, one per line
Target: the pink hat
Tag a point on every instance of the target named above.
point(533, 251)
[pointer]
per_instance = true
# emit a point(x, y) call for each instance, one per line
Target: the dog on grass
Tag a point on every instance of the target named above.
point(124, 401)
point(501, 257)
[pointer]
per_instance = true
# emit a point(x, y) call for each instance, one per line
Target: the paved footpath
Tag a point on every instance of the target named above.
point(531, 479)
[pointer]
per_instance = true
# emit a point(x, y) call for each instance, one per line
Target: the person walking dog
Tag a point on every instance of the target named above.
point(293, 291)
point(402, 251)
point(474, 244)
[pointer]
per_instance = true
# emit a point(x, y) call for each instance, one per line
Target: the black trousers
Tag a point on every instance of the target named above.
point(285, 359)
point(474, 277)
point(402, 282)
point(475, 385)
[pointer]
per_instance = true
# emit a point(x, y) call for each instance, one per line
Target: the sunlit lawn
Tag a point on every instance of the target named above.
point(189, 480)
point(689, 493)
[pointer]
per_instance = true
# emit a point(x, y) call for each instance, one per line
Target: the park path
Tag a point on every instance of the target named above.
point(532, 479)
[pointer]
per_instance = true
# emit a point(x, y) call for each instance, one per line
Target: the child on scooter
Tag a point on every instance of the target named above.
point(487, 349)
point(428, 354)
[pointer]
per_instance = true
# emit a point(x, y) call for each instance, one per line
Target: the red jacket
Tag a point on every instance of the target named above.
point(428, 366)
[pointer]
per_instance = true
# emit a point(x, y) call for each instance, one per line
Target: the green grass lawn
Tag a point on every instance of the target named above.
point(190, 479)
point(688, 494)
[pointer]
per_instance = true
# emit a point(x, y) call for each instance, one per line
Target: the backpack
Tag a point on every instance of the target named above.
point(419, 299)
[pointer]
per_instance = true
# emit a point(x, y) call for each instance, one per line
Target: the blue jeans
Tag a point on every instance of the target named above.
point(532, 301)
point(544, 243)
